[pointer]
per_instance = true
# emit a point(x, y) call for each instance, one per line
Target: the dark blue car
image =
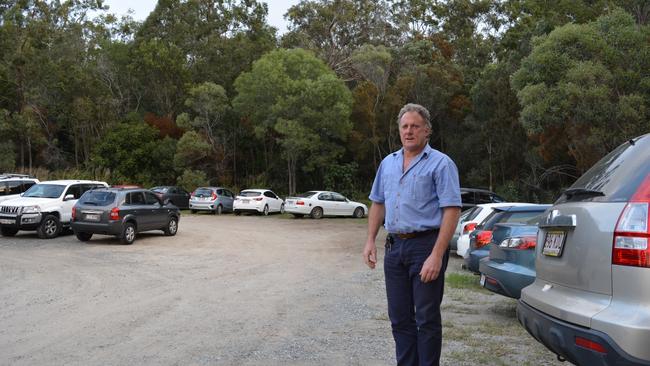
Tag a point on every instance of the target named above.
point(482, 236)
point(511, 264)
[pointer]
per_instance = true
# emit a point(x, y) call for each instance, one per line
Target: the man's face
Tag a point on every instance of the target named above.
point(413, 132)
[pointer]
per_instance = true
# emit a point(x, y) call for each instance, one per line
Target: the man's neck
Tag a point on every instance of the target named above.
point(410, 154)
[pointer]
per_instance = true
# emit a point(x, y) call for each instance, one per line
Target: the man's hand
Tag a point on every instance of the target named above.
point(431, 268)
point(370, 254)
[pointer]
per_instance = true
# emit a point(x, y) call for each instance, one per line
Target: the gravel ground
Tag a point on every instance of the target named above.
point(230, 290)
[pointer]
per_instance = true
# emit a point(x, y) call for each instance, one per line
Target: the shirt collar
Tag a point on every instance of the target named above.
point(424, 153)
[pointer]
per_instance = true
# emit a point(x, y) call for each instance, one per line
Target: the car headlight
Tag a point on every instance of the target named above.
point(31, 209)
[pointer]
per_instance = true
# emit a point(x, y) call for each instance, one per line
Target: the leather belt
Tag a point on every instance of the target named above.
point(414, 234)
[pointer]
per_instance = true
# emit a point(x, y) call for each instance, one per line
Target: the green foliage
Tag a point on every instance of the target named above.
point(191, 179)
point(191, 149)
point(7, 160)
point(341, 178)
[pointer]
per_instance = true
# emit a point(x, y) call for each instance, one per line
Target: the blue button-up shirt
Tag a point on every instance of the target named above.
point(413, 199)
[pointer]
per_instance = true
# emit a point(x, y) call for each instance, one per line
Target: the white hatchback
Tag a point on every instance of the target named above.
point(324, 203)
point(262, 201)
point(475, 218)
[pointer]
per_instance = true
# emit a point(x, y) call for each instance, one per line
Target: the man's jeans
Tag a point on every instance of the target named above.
point(414, 306)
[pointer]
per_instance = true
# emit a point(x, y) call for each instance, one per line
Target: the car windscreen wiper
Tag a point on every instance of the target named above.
point(582, 192)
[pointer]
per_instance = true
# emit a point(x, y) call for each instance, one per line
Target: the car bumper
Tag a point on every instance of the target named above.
point(249, 207)
point(505, 278)
point(560, 337)
point(301, 210)
point(202, 206)
point(26, 222)
point(473, 258)
point(111, 228)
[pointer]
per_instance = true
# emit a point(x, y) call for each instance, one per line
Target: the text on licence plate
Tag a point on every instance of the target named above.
point(92, 217)
point(7, 221)
point(554, 243)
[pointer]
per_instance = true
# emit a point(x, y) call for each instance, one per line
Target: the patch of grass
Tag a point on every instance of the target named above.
point(461, 280)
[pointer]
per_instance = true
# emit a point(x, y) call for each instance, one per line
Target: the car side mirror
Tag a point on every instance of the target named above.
point(68, 197)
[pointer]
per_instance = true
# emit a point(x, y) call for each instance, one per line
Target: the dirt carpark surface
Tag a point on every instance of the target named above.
point(230, 290)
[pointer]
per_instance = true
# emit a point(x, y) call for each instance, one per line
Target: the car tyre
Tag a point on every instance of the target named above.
point(358, 212)
point(265, 212)
point(282, 209)
point(8, 231)
point(237, 212)
point(172, 227)
point(128, 233)
point(316, 213)
point(83, 236)
point(219, 210)
point(49, 228)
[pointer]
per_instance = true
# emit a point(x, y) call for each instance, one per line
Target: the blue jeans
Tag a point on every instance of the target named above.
point(414, 306)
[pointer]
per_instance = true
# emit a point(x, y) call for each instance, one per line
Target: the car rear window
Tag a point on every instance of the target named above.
point(615, 177)
point(511, 217)
point(306, 194)
point(473, 212)
point(97, 198)
point(203, 192)
point(159, 189)
point(249, 194)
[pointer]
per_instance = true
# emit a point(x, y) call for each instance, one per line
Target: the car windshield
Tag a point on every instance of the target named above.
point(97, 198)
point(249, 194)
point(306, 194)
point(45, 191)
point(203, 192)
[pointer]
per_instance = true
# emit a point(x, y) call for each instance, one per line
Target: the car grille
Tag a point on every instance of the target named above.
point(10, 209)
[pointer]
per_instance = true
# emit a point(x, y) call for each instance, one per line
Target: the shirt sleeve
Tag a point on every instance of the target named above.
point(377, 192)
point(447, 184)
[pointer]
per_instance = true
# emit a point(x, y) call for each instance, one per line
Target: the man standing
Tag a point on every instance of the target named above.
point(416, 192)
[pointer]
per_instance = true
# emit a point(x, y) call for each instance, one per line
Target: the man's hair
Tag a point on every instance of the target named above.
point(412, 107)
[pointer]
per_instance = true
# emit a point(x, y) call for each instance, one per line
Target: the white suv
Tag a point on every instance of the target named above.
point(12, 185)
point(46, 207)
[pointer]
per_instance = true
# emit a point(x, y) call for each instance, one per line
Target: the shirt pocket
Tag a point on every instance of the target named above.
point(423, 187)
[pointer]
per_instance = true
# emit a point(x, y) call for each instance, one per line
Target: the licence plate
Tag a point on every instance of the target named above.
point(554, 243)
point(290, 202)
point(245, 201)
point(482, 281)
point(7, 221)
point(92, 217)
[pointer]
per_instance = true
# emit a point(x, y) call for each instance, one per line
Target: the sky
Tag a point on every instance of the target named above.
point(142, 8)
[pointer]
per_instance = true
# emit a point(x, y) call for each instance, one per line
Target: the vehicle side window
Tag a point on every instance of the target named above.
point(27, 185)
point(4, 189)
point(87, 187)
point(172, 190)
point(484, 197)
point(269, 194)
point(74, 190)
point(338, 197)
point(135, 198)
point(151, 198)
point(14, 187)
point(219, 192)
point(325, 197)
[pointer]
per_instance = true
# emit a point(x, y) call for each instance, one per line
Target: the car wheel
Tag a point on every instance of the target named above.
point(265, 212)
point(316, 213)
point(49, 228)
point(282, 209)
point(83, 236)
point(298, 216)
point(358, 212)
point(219, 210)
point(237, 212)
point(172, 227)
point(128, 233)
point(8, 231)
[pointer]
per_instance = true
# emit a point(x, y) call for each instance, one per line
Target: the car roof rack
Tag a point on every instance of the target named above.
point(15, 175)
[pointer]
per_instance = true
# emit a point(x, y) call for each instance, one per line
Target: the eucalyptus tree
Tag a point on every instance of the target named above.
point(296, 102)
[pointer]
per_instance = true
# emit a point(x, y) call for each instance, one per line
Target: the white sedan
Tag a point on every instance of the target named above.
point(262, 201)
point(324, 203)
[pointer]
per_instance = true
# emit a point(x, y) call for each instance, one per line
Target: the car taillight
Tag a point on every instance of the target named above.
point(519, 242)
point(214, 196)
point(74, 213)
point(300, 203)
point(483, 238)
point(115, 213)
point(591, 345)
point(632, 230)
point(258, 198)
point(468, 228)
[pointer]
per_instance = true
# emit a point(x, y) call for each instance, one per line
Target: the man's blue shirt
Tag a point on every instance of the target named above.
point(413, 198)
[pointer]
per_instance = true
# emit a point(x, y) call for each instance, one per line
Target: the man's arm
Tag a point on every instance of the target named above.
point(375, 219)
point(431, 267)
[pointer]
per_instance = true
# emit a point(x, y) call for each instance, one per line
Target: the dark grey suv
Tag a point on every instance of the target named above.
point(590, 302)
point(122, 213)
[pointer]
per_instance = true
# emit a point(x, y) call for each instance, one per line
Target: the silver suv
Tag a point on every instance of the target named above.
point(590, 302)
